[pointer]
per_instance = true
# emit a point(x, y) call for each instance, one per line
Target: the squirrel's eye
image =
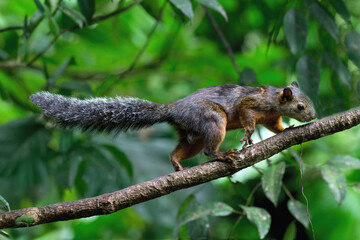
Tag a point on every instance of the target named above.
point(300, 107)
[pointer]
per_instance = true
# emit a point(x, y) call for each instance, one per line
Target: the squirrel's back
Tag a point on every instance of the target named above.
point(191, 113)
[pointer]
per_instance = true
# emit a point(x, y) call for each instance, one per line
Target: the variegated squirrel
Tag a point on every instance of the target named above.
point(201, 119)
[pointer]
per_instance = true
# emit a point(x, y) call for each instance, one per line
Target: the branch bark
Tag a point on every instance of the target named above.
point(112, 202)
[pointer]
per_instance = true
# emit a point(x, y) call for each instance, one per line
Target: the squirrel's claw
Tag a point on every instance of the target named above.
point(247, 141)
point(232, 152)
point(230, 155)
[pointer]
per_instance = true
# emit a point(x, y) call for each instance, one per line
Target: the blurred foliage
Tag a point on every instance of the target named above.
point(161, 52)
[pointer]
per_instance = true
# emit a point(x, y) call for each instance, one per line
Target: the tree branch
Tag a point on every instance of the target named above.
point(112, 202)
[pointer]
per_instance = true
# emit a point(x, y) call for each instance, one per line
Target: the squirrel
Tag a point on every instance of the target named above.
point(201, 119)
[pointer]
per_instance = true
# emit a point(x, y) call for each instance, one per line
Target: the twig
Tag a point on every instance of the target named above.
point(11, 28)
point(243, 213)
point(98, 19)
point(22, 27)
point(140, 53)
point(116, 12)
point(112, 202)
point(287, 192)
point(257, 169)
point(302, 192)
point(12, 65)
point(223, 40)
point(56, 8)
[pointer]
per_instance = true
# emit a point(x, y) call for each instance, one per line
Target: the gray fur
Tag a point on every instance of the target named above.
point(103, 114)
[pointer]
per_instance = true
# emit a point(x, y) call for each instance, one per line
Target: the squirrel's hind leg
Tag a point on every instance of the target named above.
point(215, 134)
point(185, 150)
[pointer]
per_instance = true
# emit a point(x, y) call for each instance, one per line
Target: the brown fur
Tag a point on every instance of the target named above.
point(203, 117)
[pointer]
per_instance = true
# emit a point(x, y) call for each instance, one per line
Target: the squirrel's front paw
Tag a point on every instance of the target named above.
point(248, 141)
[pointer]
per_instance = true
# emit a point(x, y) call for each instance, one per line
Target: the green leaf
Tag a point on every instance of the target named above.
point(60, 71)
point(5, 234)
point(24, 152)
point(295, 29)
point(198, 226)
point(87, 7)
point(324, 18)
point(336, 182)
point(23, 48)
point(15, 90)
point(66, 141)
point(184, 6)
point(346, 162)
point(151, 7)
point(214, 4)
point(260, 217)
point(4, 203)
point(271, 181)
point(105, 84)
point(247, 76)
point(298, 210)
point(308, 75)
point(290, 233)
point(34, 21)
point(184, 205)
point(341, 9)
point(54, 28)
point(121, 158)
point(352, 43)
point(77, 17)
point(338, 66)
point(39, 6)
point(80, 182)
point(74, 169)
point(218, 209)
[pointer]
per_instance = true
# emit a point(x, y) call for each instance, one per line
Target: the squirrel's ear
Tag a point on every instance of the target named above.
point(294, 84)
point(286, 94)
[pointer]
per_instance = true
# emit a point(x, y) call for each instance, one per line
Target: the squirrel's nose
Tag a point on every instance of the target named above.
point(313, 116)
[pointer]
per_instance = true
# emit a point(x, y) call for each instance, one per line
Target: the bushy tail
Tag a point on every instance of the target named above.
point(103, 114)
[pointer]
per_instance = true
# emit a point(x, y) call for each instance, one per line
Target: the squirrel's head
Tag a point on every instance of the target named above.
point(295, 104)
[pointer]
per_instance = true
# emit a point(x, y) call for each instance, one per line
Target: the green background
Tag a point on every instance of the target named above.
point(273, 44)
